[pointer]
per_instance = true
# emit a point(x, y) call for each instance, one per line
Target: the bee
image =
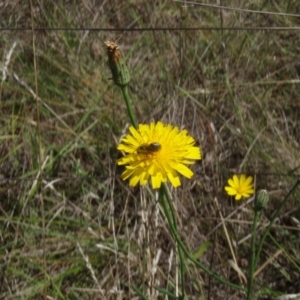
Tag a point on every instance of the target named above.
point(148, 148)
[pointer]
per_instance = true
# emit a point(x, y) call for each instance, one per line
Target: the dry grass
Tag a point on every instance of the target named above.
point(79, 232)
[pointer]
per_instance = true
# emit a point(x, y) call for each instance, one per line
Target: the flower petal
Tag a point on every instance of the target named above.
point(236, 181)
point(238, 197)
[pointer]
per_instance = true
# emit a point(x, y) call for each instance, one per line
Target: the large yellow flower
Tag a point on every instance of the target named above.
point(158, 151)
point(240, 187)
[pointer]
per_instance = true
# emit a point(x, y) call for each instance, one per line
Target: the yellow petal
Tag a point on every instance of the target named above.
point(231, 183)
point(236, 182)
point(135, 134)
point(134, 180)
point(183, 170)
point(156, 181)
point(174, 179)
point(144, 178)
point(238, 197)
point(249, 180)
point(231, 191)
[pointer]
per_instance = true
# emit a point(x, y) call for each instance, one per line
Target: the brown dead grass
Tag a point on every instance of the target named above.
point(235, 91)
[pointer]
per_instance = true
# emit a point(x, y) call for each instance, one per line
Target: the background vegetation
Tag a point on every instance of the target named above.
point(69, 227)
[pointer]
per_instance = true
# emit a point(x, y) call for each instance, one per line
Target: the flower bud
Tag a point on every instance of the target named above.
point(261, 200)
point(119, 70)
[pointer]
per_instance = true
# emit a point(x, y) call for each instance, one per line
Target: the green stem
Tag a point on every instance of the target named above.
point(165, 194)
point(273, 220)
point(252, 258)
point(128, 105)
point(186, 252)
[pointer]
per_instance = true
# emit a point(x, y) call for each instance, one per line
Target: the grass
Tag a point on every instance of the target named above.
point(78, 231)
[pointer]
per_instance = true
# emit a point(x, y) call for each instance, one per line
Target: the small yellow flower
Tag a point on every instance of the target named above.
point(158, 151)
point(240, 187)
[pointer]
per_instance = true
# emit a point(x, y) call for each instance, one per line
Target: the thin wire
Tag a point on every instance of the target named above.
point(238, 9)
point(47, 178)
point(203, 28)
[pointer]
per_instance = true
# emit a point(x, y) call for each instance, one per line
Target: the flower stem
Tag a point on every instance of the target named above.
point(252, 257)
point(181, 245)
point(128, 105)
point(165, 194)
point(273, 220)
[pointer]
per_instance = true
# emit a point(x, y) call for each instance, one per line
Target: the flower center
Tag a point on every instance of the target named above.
point(241, 189)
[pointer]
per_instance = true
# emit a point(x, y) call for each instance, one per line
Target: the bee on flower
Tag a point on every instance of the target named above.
point(159, 153)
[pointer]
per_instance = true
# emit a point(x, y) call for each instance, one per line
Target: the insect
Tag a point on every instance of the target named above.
point(149, 148)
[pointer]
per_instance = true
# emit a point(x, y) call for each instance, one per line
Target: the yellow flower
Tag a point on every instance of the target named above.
point(240, 187)
point(158, 151)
